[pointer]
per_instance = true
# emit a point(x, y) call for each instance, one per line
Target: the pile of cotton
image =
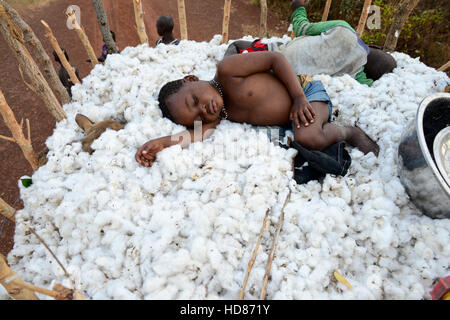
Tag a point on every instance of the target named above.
point(186, 227)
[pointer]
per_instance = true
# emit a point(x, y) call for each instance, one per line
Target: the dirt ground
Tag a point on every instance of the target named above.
point(204, 19)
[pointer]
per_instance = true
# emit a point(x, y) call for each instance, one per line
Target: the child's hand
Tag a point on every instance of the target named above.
point(302, 112)
point(146, 154)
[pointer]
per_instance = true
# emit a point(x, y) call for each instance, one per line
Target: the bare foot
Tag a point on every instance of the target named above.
point(359, 139)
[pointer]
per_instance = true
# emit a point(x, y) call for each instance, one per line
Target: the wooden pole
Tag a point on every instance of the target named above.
point(139, 15)
point(226, 21)
point(274, 246)
point(102, 20)
point(182, 17)
point(444, 67)
point(13, 37)
point(402, 14)
point(326, 11)
point(60, 53)
point(20, 290)
point(363, 18)
point(6, 210)
point(83, 37)
point(38, 51)
point(13, 284)
point(252, 260)
point(16, 130)
point(263, 19)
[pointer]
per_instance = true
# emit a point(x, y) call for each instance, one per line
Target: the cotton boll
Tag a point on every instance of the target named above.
point(393, 291)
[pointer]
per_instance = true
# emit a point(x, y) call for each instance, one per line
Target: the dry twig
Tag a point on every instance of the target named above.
point(363, 18)
point(20, 290)
point(274, 246)
point(263, 19)
point(13, 284)
point(47, 247)
point(226, 21)
point(326, 11)
point(38, 51)
point(444, 67)
point(83, 37)
point(16, 130)
point(139, 15)
point(6, 210)
point(60, 53)
point(14, 37)
point(182, 17)
point(252, 260)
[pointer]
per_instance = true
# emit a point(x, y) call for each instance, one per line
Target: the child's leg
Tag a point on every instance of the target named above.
point(322, 134)
point(303, 27)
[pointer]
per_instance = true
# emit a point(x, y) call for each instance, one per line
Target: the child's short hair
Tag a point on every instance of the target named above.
point(164, 24)
point(378, 63)
point(55, 55)
point(166, 91)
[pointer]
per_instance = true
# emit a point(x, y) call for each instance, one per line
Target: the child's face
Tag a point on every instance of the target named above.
point(162, 29)
point(195, 101)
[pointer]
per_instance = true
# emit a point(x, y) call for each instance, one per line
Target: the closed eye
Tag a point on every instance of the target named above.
point(195, 100)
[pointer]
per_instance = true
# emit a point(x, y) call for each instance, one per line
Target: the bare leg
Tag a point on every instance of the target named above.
point(322, 134)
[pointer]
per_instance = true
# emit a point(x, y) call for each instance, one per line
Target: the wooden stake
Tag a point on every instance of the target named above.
point(274, 246)
point(252, 260)
point(18, 136)
point(139, 15)
point(102, 19)
point(60, 53)
point(263, 19)
point(20, 290)
point(38, 51)
point(226, 21)
point(14, 38)
point(363, 18)
point(444, 67)
point(182, 17)
point(83, 37)
point(13, 284)
point(402, 14)
point(6, 210)
point(326, 11)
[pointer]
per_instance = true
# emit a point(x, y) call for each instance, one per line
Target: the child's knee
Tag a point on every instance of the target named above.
point(313, 140)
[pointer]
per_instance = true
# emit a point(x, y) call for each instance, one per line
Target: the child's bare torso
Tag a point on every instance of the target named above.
point(258, 99)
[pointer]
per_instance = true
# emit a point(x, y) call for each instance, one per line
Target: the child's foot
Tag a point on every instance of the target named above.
point(362, 141)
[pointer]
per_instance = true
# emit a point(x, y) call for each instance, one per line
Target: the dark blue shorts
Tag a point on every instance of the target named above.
point(315, 91)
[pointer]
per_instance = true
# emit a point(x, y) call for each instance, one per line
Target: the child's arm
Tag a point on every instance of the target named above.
point(243, 65)
point(146, 155)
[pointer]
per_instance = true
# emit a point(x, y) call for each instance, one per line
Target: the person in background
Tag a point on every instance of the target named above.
point(378, 61)
point(310, 51)
point(164, 26)
point(104, 53)
point(63, 74)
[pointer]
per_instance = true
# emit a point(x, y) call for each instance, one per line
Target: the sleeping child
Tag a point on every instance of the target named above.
point(258, 88)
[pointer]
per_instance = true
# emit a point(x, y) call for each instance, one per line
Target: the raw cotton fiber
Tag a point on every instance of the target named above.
point(186, 227)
